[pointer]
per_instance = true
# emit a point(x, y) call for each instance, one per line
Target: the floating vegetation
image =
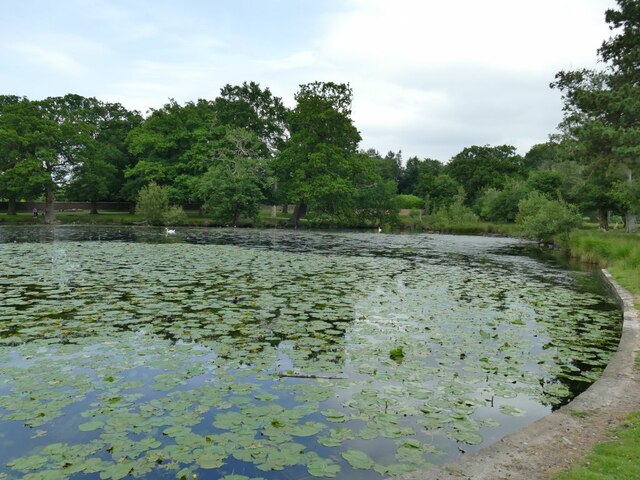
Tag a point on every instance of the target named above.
point(253, 355)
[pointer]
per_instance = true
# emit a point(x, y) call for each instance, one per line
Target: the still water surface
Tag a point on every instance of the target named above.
point(273, 354)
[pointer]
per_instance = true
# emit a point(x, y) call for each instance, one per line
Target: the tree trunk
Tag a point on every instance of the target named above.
point(603, 219)
point(49, 211)
point(285, 208)
point(630, 224)
point(11, 209)
point(236, 219)
point(94, 207)
point(299, 211)
point(274, 211)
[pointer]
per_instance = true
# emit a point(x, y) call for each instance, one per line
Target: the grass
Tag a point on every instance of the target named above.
point(619, 252)
point(615, 460)
point(194, 219)
point(412, 223)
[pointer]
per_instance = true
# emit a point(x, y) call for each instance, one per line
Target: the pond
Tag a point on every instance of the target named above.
point(246, 354)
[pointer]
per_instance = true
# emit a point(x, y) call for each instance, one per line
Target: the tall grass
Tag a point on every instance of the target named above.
point(617, 251)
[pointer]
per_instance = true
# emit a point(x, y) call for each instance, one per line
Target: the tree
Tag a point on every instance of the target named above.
point(543, 218)
point(43, 141)
point(101, 175)
point(477, 168)
point(22, 134)
point(72, 139)
point(502, 205)
point(233, 186)
point(174, 146)
point(252, 108)
point(413, 171)
point(153, 203)
point(602, 110)
point(315, 167)
point(437, 190)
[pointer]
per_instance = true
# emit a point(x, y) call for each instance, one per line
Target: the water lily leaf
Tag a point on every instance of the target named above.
point(32, 462)
point(211, 460)
point(334, 415)
point(358, 459)
point(306, 429)
point(513, 411)
point(323, 468)
point(336, 437)
point(90, 426)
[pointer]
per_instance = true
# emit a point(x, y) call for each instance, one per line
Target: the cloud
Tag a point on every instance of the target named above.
point(429, 77)
point(433, 77)
point(49, 59)
point(297, 60)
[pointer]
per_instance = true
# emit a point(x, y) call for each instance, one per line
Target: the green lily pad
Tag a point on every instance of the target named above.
point(358, 459)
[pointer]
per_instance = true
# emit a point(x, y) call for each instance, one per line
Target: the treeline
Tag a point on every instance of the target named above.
point(245, 148)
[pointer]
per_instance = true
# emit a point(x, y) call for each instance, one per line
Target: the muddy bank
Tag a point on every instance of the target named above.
point(554, 442)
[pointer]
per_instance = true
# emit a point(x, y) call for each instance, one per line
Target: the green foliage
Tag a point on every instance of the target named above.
point(602, 115)
point(614, 460)
point(502, 205)
point(153, 203)
point(175, 141)
point(547, 182)
point(318, 164)
point(452, 216)
point(249, 107)
point(375, 202)
point(439, 191)
point(396, 354)
point(174, 215)
point(543, 219)
point(404, 201)
point(619, 252)
point(414, 170)
point(477, 168)
point(232, 188)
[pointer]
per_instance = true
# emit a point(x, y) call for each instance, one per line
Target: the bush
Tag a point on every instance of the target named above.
point(502, 205)
point(407, 201)
point(153, 203)
point(456, 214)
point(542, 218)
point(175, 215)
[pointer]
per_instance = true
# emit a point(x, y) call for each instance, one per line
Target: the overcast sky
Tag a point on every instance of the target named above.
point(430, 77)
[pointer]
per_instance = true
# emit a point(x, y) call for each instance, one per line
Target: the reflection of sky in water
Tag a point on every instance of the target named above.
point(487, 332)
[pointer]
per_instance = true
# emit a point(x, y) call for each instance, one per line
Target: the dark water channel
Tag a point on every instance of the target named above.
point(245, 354)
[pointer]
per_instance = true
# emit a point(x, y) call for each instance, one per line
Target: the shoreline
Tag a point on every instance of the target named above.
point(554, 442)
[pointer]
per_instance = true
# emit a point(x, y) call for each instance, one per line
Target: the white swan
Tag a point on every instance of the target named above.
point(169, 231)
point(379, 229)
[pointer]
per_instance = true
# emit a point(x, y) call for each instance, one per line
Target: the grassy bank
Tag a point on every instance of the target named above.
point(83, 217)
point(615, 460)
point(619, 252)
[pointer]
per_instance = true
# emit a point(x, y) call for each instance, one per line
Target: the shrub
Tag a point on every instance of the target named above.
point(153, 203)
point(502, 205)
point(175, 215)
point(407, 201)
point(542, 218)
point(454, 215)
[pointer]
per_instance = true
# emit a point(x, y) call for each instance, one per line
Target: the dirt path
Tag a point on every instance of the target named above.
point(556, 441)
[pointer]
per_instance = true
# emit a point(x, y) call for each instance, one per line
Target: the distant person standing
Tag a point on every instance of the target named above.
point(35, 215)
